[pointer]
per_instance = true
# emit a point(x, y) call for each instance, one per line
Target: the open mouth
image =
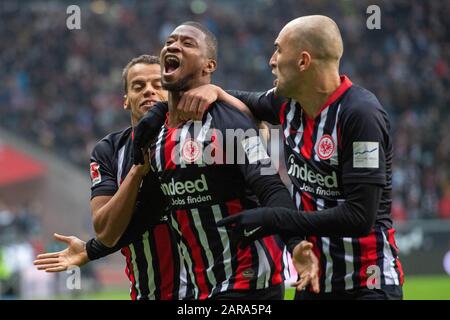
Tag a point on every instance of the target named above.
point(147, 103)
point(171, 64)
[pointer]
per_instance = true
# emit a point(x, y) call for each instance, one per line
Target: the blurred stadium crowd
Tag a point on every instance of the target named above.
point(19, 226)
point(62, 88)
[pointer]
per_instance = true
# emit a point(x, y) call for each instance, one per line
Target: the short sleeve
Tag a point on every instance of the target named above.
point(365, 142)
point(102, 170)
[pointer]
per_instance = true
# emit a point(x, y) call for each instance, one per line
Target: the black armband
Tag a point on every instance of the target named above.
point(96, 250)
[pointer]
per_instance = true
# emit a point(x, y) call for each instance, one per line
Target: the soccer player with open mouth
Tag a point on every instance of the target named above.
point(338, 152)
point(204, 184)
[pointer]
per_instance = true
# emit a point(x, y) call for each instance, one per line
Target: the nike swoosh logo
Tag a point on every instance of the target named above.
point(249, 233)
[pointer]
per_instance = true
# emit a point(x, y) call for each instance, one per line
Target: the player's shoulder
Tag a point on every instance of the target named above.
point(360, 102)
point(229, 116)
point(111, 143)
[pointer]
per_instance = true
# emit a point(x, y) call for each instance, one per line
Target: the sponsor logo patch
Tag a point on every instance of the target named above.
point(96, 177)
point(254, 149)
point(366, 154)
point(326, 147)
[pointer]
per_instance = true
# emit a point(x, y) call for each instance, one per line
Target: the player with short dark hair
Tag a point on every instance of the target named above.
point(200, 192)
point(122, 217)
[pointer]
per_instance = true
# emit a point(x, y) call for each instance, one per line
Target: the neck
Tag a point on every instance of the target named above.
point(316, 93)
point(134, 120)
point(174, 115)
point(173, 100)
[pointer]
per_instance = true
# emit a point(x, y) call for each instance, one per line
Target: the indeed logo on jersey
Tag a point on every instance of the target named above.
point(304, 174)
point(173, 188)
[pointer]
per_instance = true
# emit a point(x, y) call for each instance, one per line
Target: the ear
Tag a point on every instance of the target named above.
point(304, 61)
point(210, 66)
point(125, 103)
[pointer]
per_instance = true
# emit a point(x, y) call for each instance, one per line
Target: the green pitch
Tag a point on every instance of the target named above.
point(415, 288)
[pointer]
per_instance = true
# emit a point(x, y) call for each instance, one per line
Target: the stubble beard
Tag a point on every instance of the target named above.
point(180, 85)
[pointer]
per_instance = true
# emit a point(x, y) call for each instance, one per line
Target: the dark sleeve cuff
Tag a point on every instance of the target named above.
point(96, 250)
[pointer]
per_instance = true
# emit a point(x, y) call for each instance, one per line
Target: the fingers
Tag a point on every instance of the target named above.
point(56, 269)
point(48, 255)
point(62, 238)
point(305, 246)
point(49, 266)
point(45, 261)
point(315, 283)
point(182, 103)
point(227, 221)
point(201, 110)
point(195, 107)
point(187, 104)
point(302, 283)
point(192, 105)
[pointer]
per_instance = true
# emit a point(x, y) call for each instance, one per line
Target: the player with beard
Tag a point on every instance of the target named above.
point(201, 192)
point(338, 153)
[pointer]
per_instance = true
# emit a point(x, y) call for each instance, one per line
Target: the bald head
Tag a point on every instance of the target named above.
point(319, 35)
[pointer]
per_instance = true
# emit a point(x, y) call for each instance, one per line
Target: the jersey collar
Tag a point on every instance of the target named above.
point(346, 83)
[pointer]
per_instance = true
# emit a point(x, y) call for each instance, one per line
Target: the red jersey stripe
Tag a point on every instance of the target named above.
point(307, 138)
point(281, 114)
point(169, 146)
point(130, 272)
point(275, 255)
point(368, 247)
point(195, 248)
point(244, 257)
point(164, 255)
point(398, 264)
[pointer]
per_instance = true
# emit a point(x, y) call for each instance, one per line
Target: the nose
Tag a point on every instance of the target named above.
point(173, 47)
point(273, 61)
point(149, 90)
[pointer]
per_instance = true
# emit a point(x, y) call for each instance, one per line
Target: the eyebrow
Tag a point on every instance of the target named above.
point(138, 80)
point(143, 79)
point(183, 37)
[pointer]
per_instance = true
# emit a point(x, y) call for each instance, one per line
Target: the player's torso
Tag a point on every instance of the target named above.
point(312, 156)
point(193, 172)
point(152, 260)
point(314, 161)
point(203, 188)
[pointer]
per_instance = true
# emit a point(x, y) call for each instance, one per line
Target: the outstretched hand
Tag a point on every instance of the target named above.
point(307, 266)
point(74, 255)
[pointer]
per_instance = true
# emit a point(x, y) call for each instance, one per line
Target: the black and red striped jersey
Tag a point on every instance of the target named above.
point(205, 181)
point(347, 142)
point(153, 263)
